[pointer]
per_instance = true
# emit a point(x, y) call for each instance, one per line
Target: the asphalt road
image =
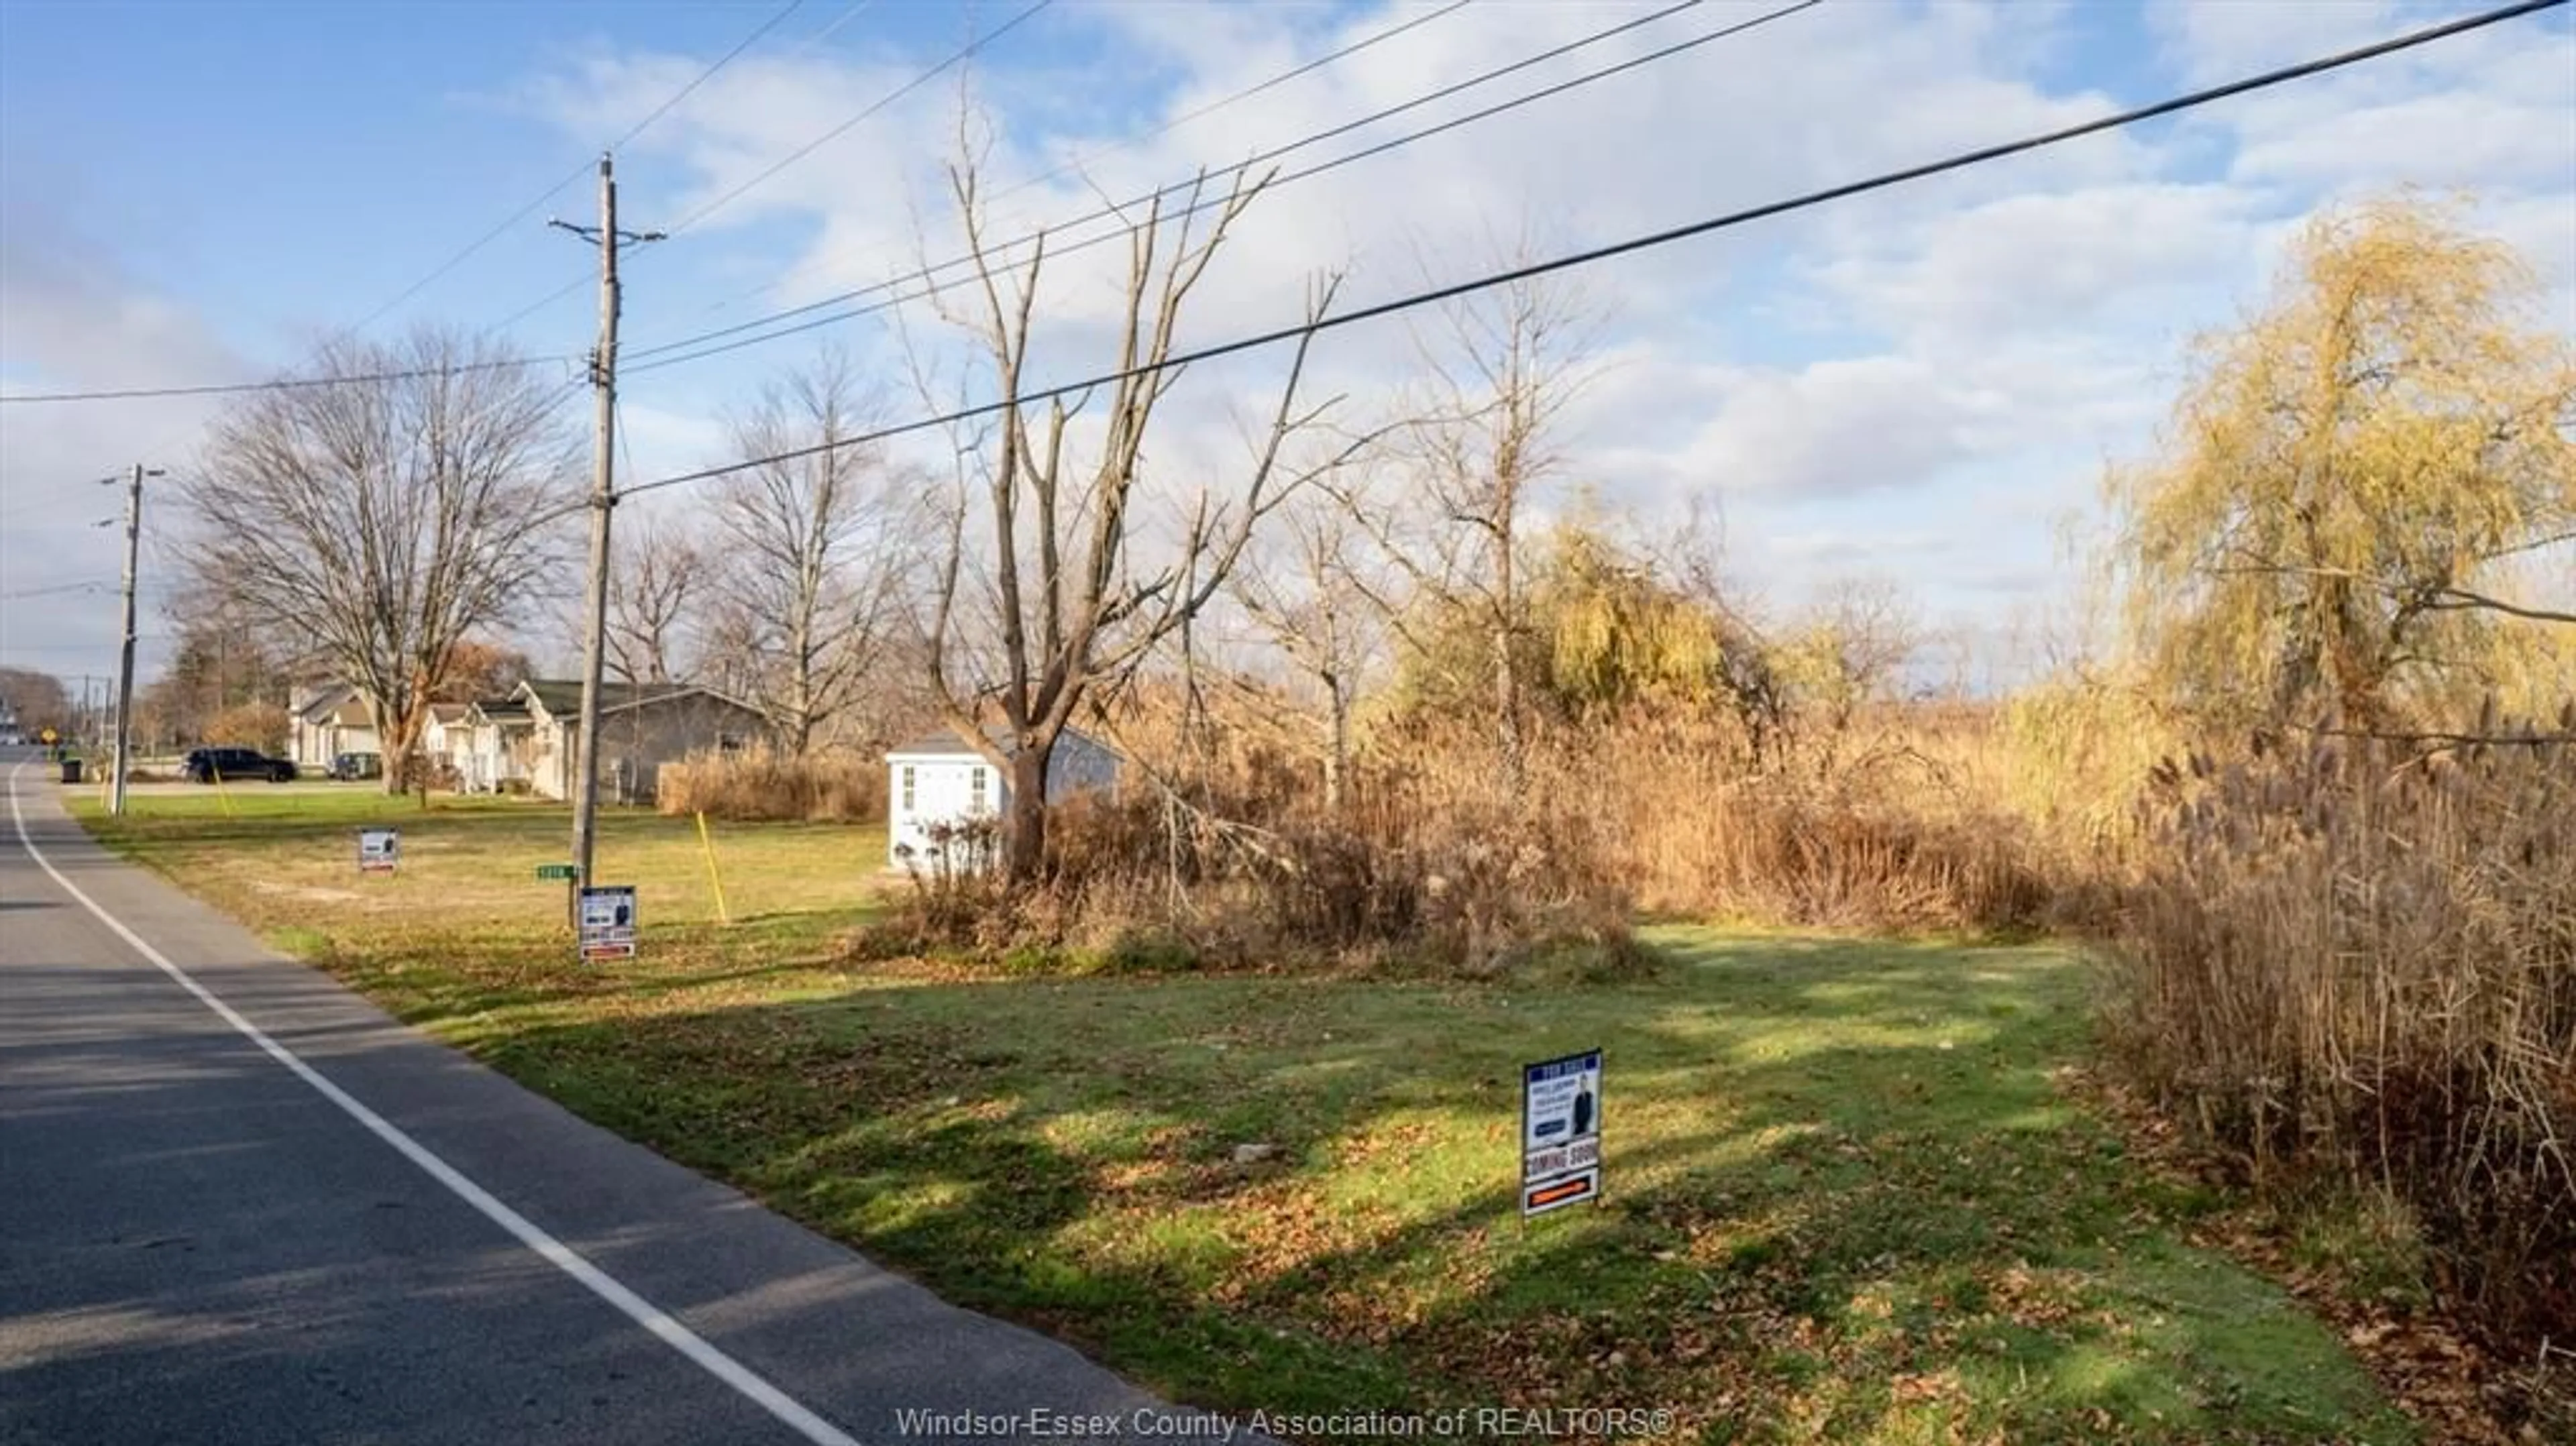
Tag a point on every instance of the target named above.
point(353, 1234)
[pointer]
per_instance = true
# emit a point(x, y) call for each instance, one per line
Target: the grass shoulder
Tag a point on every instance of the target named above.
point(1848, 1196)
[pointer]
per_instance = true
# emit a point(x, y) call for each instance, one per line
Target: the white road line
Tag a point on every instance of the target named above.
point(563, 1257)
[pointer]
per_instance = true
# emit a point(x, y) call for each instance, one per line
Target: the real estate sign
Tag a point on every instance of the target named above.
point(608, 922)
point(1560, 1132)
point(379, 850)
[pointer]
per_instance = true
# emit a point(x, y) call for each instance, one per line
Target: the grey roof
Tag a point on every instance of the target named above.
point(324, 700)
point(562, 696)
point(947, 743)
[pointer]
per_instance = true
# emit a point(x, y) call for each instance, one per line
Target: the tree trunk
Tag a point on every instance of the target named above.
point(398, 736)
point(1337, 754)
point(1024, 845)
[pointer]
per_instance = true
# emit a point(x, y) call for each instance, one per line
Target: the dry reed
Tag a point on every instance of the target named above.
point(2359, 957)
point(765, 784)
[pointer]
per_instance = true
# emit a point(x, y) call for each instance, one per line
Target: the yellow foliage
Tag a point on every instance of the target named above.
point(2346, 473)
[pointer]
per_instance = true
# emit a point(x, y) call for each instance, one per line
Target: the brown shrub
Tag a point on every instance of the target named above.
point(2359, 958)
point(1220, 848)
point(250, 725)
point(762, 783)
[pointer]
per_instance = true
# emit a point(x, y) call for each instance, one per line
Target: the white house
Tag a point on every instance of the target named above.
point(941, 779)
point(494, 746)
point(446, 738)
point(326, 721)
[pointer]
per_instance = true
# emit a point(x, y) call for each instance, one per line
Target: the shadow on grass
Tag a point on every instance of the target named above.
point(1844, 1200)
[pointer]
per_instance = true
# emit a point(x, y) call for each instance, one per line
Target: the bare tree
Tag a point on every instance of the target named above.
point(1507, 364)
point(381, 518)
point(1309, 597)
point(659, 579)
point(1067, 604)
point(818, 549)
point(1851, 650)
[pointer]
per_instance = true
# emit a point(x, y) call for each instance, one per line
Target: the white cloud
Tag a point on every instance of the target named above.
point(69, 320)
point(1925, 375)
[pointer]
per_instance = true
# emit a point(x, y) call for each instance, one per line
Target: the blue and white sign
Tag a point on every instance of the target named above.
point(1560, 1132)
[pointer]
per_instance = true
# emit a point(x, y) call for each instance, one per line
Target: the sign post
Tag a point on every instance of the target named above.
point(570, 877)
point(1560, 1133)
point(379, 850)
point(608, 922)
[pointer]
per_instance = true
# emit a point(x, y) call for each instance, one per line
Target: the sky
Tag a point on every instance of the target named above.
point(1919, 387)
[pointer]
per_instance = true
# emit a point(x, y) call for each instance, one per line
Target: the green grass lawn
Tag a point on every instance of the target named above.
point(1847, 1199)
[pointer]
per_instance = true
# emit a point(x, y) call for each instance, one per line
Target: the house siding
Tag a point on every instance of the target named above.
point(943, 778)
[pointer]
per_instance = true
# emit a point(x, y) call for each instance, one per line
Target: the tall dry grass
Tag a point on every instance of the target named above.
point(766, 784)
point(2359, 957)
point(1220, 847)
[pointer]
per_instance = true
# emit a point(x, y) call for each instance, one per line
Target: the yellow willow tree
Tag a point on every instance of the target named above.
point(2355, 481)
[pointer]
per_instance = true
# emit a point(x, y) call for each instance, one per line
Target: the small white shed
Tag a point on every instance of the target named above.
point(942, 779)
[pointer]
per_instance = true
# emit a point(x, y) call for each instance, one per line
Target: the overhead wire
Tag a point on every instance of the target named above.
point(453, 261)
point(959, 57)
point(1118, 210)
point(1884, 180)
point(1273, 82)
point(669, 104)
point(967, 52)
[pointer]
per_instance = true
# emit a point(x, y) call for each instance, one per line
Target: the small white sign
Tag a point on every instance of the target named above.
point(608, 922)
point(379, 850)
point(1560, 1132)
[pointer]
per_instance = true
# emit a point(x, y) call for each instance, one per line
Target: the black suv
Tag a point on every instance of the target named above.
point(210, 765)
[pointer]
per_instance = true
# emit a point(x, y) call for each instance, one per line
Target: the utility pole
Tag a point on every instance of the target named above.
point(603, 498)
point(124, 763)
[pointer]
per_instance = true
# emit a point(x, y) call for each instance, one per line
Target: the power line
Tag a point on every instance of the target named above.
point(1119, 210)
point(1376, 37)
point(684, 92)
point(800, 153)
point(284, 384)
point(899, 92)
point(1883, 181)
point(443, 268)
point(583, 169)
point(55, 589)
point(857, 8)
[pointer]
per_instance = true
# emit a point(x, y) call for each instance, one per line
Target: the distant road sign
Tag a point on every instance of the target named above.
point(557, 871)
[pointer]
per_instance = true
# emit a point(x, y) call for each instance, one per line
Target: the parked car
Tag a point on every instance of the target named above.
point(349, 767)
point(209, 765)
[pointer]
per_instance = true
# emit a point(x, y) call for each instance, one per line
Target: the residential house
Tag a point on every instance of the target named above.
point(325, 721)
point(942, 779)
point(531, 735)
point(494, 748)
point(445, 738)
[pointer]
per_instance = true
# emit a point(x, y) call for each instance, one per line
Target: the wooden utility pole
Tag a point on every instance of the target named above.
point(123, 763)
point(603, 499)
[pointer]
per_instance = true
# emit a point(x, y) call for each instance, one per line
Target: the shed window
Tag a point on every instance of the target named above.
point(907, 788)
point(977, 788)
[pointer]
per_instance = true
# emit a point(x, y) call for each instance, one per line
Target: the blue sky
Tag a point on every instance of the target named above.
point(1919, 386)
